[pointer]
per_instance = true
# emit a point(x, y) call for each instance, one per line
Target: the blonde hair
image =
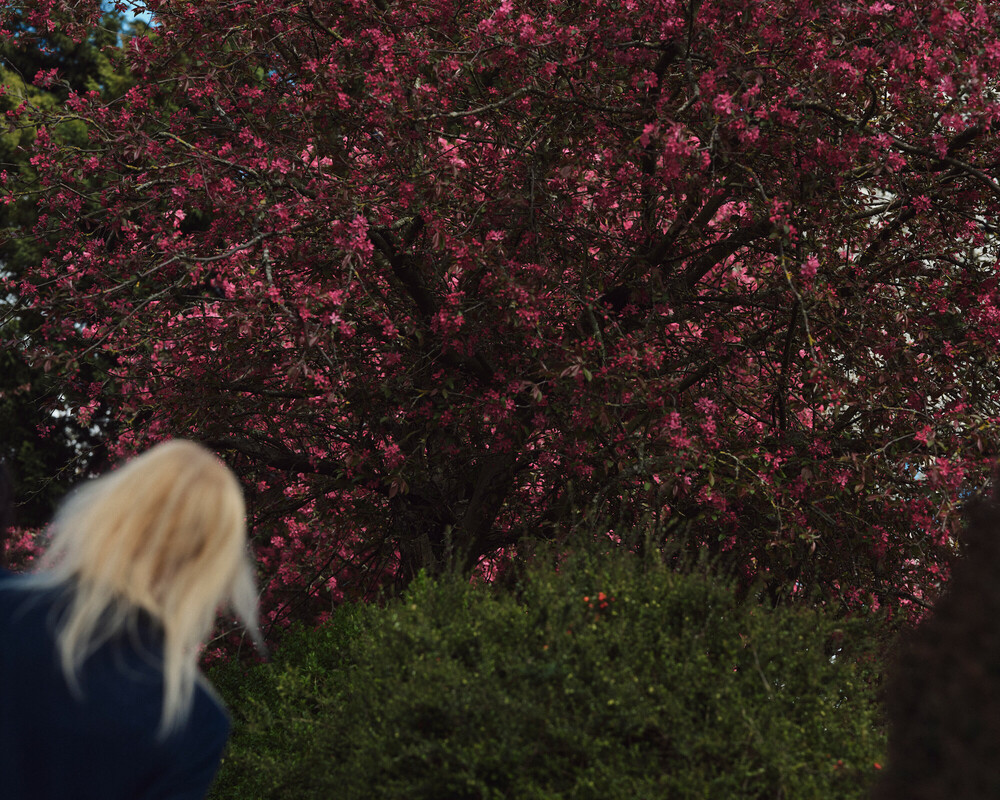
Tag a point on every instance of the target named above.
point(165, 533)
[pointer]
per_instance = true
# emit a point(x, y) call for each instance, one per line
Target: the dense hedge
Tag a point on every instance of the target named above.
point(600, 680)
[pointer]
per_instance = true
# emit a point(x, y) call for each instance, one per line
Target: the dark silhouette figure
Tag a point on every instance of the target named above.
point(943, 687)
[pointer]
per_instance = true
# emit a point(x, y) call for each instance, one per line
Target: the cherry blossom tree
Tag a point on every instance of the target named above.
point(443, 278)
point(40, 439)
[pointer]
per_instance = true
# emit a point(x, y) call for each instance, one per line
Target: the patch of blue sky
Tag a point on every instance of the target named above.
point(131, 9)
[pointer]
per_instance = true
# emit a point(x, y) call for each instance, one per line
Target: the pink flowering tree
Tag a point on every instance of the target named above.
point(445, 278)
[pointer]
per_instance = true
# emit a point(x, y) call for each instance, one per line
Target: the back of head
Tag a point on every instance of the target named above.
point(165, 533)
point(166, 525)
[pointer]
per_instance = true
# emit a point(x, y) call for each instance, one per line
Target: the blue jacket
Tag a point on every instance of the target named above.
point(104, 746)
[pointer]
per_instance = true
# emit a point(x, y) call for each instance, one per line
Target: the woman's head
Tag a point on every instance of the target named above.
point(166, 526)
point(164, 533)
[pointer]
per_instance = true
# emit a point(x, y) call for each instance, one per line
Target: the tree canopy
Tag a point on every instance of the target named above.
point(442, 278)
point(47, 447)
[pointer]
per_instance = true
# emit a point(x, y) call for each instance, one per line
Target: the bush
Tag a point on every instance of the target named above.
point(600, 679)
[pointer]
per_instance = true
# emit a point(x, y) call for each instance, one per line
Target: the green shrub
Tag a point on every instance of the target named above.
point(600, 680)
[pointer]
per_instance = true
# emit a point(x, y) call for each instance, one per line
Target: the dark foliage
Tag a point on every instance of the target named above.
point(48, 446)
point(6, 498)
